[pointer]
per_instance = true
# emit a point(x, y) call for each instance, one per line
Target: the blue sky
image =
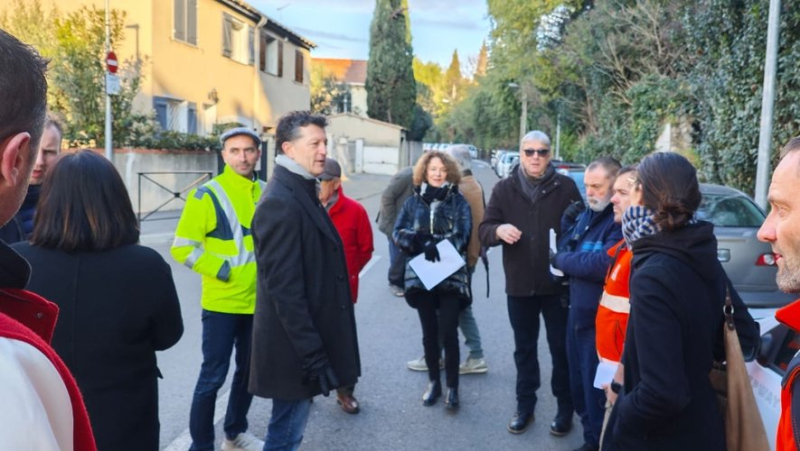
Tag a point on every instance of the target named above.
point(341, 27)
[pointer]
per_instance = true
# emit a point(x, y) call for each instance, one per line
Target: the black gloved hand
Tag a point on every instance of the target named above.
point(574, 210)
point(432, 253)
point(317, 370)
point(421, 241)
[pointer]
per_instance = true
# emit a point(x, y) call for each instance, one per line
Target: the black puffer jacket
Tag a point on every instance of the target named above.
point(452, 219)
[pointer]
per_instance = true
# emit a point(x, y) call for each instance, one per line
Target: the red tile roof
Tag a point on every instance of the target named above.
point(348, 71)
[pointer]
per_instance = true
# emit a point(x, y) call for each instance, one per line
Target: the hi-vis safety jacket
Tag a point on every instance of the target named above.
point(611, 322)
point(213, 238)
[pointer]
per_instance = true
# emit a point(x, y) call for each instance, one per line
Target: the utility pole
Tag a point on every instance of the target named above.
point(109, 153)
point(558, 136)
point(523, 117)
point(767, 103)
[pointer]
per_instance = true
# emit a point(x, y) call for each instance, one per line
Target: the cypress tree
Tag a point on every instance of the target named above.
point(390, 85)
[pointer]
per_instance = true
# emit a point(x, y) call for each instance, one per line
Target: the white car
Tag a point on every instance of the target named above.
point(505, 163)
point(778, 345)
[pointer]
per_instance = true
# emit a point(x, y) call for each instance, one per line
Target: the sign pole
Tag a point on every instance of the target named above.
point(109, 151)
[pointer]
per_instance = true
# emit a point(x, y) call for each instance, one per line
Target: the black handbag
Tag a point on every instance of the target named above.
point(397, 271)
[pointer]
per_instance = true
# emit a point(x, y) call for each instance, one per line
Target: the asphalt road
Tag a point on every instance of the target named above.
point(392, 416)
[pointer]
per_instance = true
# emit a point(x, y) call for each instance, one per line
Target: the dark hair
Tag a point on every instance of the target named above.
point(84, 206)
point(791, 146)
point(290, 123)
point(421, 168)
point(610, 164)
point(669, 188)
point(23, 90)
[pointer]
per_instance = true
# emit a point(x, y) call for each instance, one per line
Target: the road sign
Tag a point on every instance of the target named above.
point(111, 62)
point(112, 84)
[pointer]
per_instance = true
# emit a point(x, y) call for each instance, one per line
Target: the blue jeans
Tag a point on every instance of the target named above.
point(523, 312)
point(393, 251)
point(589, 401)
point(287, 424)
point(221, 333)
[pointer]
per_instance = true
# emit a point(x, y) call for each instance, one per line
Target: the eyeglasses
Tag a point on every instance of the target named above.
point(540, 152)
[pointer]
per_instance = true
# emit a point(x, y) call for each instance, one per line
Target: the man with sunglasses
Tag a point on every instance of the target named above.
point(522, 210)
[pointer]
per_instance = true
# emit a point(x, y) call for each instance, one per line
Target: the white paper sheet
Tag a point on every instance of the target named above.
point(432, 273)
point(605, 374)
point(554, 248)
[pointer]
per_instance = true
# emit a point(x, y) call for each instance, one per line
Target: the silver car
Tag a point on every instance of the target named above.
point(749, 263)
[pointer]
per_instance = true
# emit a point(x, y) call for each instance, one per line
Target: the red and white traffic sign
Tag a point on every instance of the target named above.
point(111, 62)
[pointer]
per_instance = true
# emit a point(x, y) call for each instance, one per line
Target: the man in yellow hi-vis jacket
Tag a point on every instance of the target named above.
point(213, 238)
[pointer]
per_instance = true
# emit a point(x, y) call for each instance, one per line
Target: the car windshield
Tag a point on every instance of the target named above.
point(726, 210)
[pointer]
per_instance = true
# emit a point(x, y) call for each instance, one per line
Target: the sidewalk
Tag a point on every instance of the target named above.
point(159, 228)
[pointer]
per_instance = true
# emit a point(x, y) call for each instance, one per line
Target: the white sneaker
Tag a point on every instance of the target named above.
point(420, 365)
point(243, 442)
point(473, 366)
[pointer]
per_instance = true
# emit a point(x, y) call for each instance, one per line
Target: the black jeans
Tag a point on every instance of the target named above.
point(523, 312)
point(449, 307)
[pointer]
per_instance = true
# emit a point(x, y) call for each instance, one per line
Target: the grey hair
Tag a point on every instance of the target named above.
point(537, 135)
point(461, 154)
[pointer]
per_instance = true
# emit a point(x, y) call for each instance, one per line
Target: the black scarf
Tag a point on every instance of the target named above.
point(430, 194)
point(532, 185)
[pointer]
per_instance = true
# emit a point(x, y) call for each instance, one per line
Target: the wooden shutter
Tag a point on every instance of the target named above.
point(251, 39)
point(160, 105)
point(262, 52)
point(179, 23)
point(298, 66)
point(191, 22)
point(226, 36)
point(191, 120)
point(280, 58)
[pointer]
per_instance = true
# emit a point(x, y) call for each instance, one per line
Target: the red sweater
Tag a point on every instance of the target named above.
point(29, 318)
point(351, 221)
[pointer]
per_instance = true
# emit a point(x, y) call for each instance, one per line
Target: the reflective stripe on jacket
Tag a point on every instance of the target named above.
point(615, 307)
point(213, 238)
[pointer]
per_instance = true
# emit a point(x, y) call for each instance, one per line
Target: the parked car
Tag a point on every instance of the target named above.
point(506, 162)
point(496, 155)
point(576, 174)
point(778, 345)
point(749, 263)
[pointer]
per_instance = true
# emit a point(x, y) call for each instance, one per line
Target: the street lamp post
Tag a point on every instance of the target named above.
point(523, 116)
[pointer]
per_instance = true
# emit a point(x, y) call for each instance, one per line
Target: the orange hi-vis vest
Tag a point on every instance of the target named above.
point(788, 436)
point(615, 307)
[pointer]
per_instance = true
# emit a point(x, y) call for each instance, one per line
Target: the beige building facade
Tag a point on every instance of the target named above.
point(210, 62)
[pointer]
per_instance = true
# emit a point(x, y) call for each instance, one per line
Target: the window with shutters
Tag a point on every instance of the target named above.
point(298, 66)
point(176, 115)
point(237, 40)
point(271, 55)
point(184, 24)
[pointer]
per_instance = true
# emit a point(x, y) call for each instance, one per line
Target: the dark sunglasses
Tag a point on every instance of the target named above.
point(541, 152)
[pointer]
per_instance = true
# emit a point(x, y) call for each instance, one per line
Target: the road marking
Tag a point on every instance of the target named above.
point(184, 440)
point(369, 265)
point(480, 164)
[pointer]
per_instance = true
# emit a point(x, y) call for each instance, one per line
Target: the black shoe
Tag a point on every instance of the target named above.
point(519, 422)
point(432, 393)
point(561, 425)
point(587, 447)
point(451, 401)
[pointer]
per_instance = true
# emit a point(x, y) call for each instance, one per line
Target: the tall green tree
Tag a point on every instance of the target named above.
point(390, 85)
point(454, 81)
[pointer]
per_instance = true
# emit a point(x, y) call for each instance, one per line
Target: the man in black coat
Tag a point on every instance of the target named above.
point(521, 212)
point(304, 331)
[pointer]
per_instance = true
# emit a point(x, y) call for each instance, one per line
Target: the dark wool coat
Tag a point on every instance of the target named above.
point(526, 262)
point(674, 334)
point(303, 301)
point(452, 220)
point(117, 308)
